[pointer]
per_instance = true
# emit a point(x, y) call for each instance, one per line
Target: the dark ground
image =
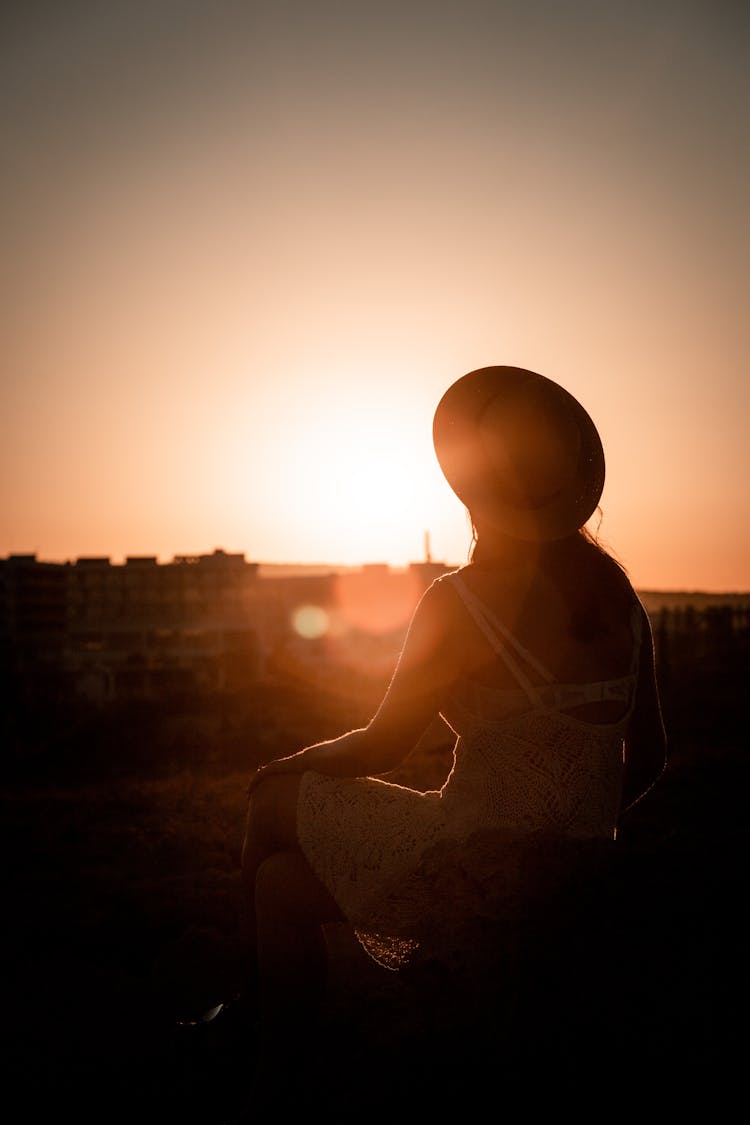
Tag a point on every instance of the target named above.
point(121, 888)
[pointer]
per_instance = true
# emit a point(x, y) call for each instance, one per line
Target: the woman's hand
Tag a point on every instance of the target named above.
point(278, 768)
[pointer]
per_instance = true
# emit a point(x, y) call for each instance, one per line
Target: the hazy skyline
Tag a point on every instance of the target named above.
point(248, 246)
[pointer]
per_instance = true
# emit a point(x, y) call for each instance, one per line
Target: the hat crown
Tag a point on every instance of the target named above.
point(520, 452)
point(531, 443)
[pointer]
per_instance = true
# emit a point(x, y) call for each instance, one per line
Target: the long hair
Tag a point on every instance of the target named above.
point(584, 571)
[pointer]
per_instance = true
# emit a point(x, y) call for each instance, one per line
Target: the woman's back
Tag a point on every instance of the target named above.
point(541, 711)
point(584, 638)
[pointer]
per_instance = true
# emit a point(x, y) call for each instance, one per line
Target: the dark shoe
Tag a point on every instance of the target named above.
point(206, 1017)
point(227, 1026)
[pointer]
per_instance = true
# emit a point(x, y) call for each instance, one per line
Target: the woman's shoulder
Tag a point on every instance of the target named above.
point(500, 588)
point(448, 592)
point(450, 578)
point(441, 606)
point(503, 590)
point(440, 595)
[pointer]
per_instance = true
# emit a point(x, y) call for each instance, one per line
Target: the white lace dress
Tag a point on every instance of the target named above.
point(522, 765)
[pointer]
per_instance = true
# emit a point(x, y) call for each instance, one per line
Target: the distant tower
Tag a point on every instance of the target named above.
point(427, 553)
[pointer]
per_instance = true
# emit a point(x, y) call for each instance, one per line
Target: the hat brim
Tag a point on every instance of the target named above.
point(459, 452)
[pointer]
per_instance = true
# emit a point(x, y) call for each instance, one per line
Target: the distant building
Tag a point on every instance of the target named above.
point(33, 627)
point(149, 630)
point(198, 624)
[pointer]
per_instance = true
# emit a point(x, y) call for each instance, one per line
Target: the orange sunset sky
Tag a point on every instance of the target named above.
point(247, 246)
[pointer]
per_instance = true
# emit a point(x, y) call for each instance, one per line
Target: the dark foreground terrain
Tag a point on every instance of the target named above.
point(120, 889)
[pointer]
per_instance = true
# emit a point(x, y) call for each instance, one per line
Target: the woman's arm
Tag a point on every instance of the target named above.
point(427, 666)
point(646, 740)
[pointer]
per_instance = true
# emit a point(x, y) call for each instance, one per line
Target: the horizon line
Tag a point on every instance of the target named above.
point(328, 566)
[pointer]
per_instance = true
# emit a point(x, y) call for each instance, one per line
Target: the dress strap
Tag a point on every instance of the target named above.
point(502, 640)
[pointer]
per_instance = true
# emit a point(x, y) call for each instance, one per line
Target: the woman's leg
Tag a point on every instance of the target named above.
point(292, 907)
point(271, 826)
point(285, 907)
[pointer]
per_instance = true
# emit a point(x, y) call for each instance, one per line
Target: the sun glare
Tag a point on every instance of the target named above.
point(357, 476)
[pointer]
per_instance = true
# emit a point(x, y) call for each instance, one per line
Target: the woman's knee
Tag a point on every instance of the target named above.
point(272, 875)
point(272, 816)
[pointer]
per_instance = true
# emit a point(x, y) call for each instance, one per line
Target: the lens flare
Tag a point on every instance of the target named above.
point(310, 621)
point(376, 600)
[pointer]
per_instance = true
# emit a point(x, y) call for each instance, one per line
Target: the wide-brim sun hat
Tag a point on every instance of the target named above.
point(520, 452)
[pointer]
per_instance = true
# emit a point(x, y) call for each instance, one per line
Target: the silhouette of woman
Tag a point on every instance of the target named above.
point(538, 655)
